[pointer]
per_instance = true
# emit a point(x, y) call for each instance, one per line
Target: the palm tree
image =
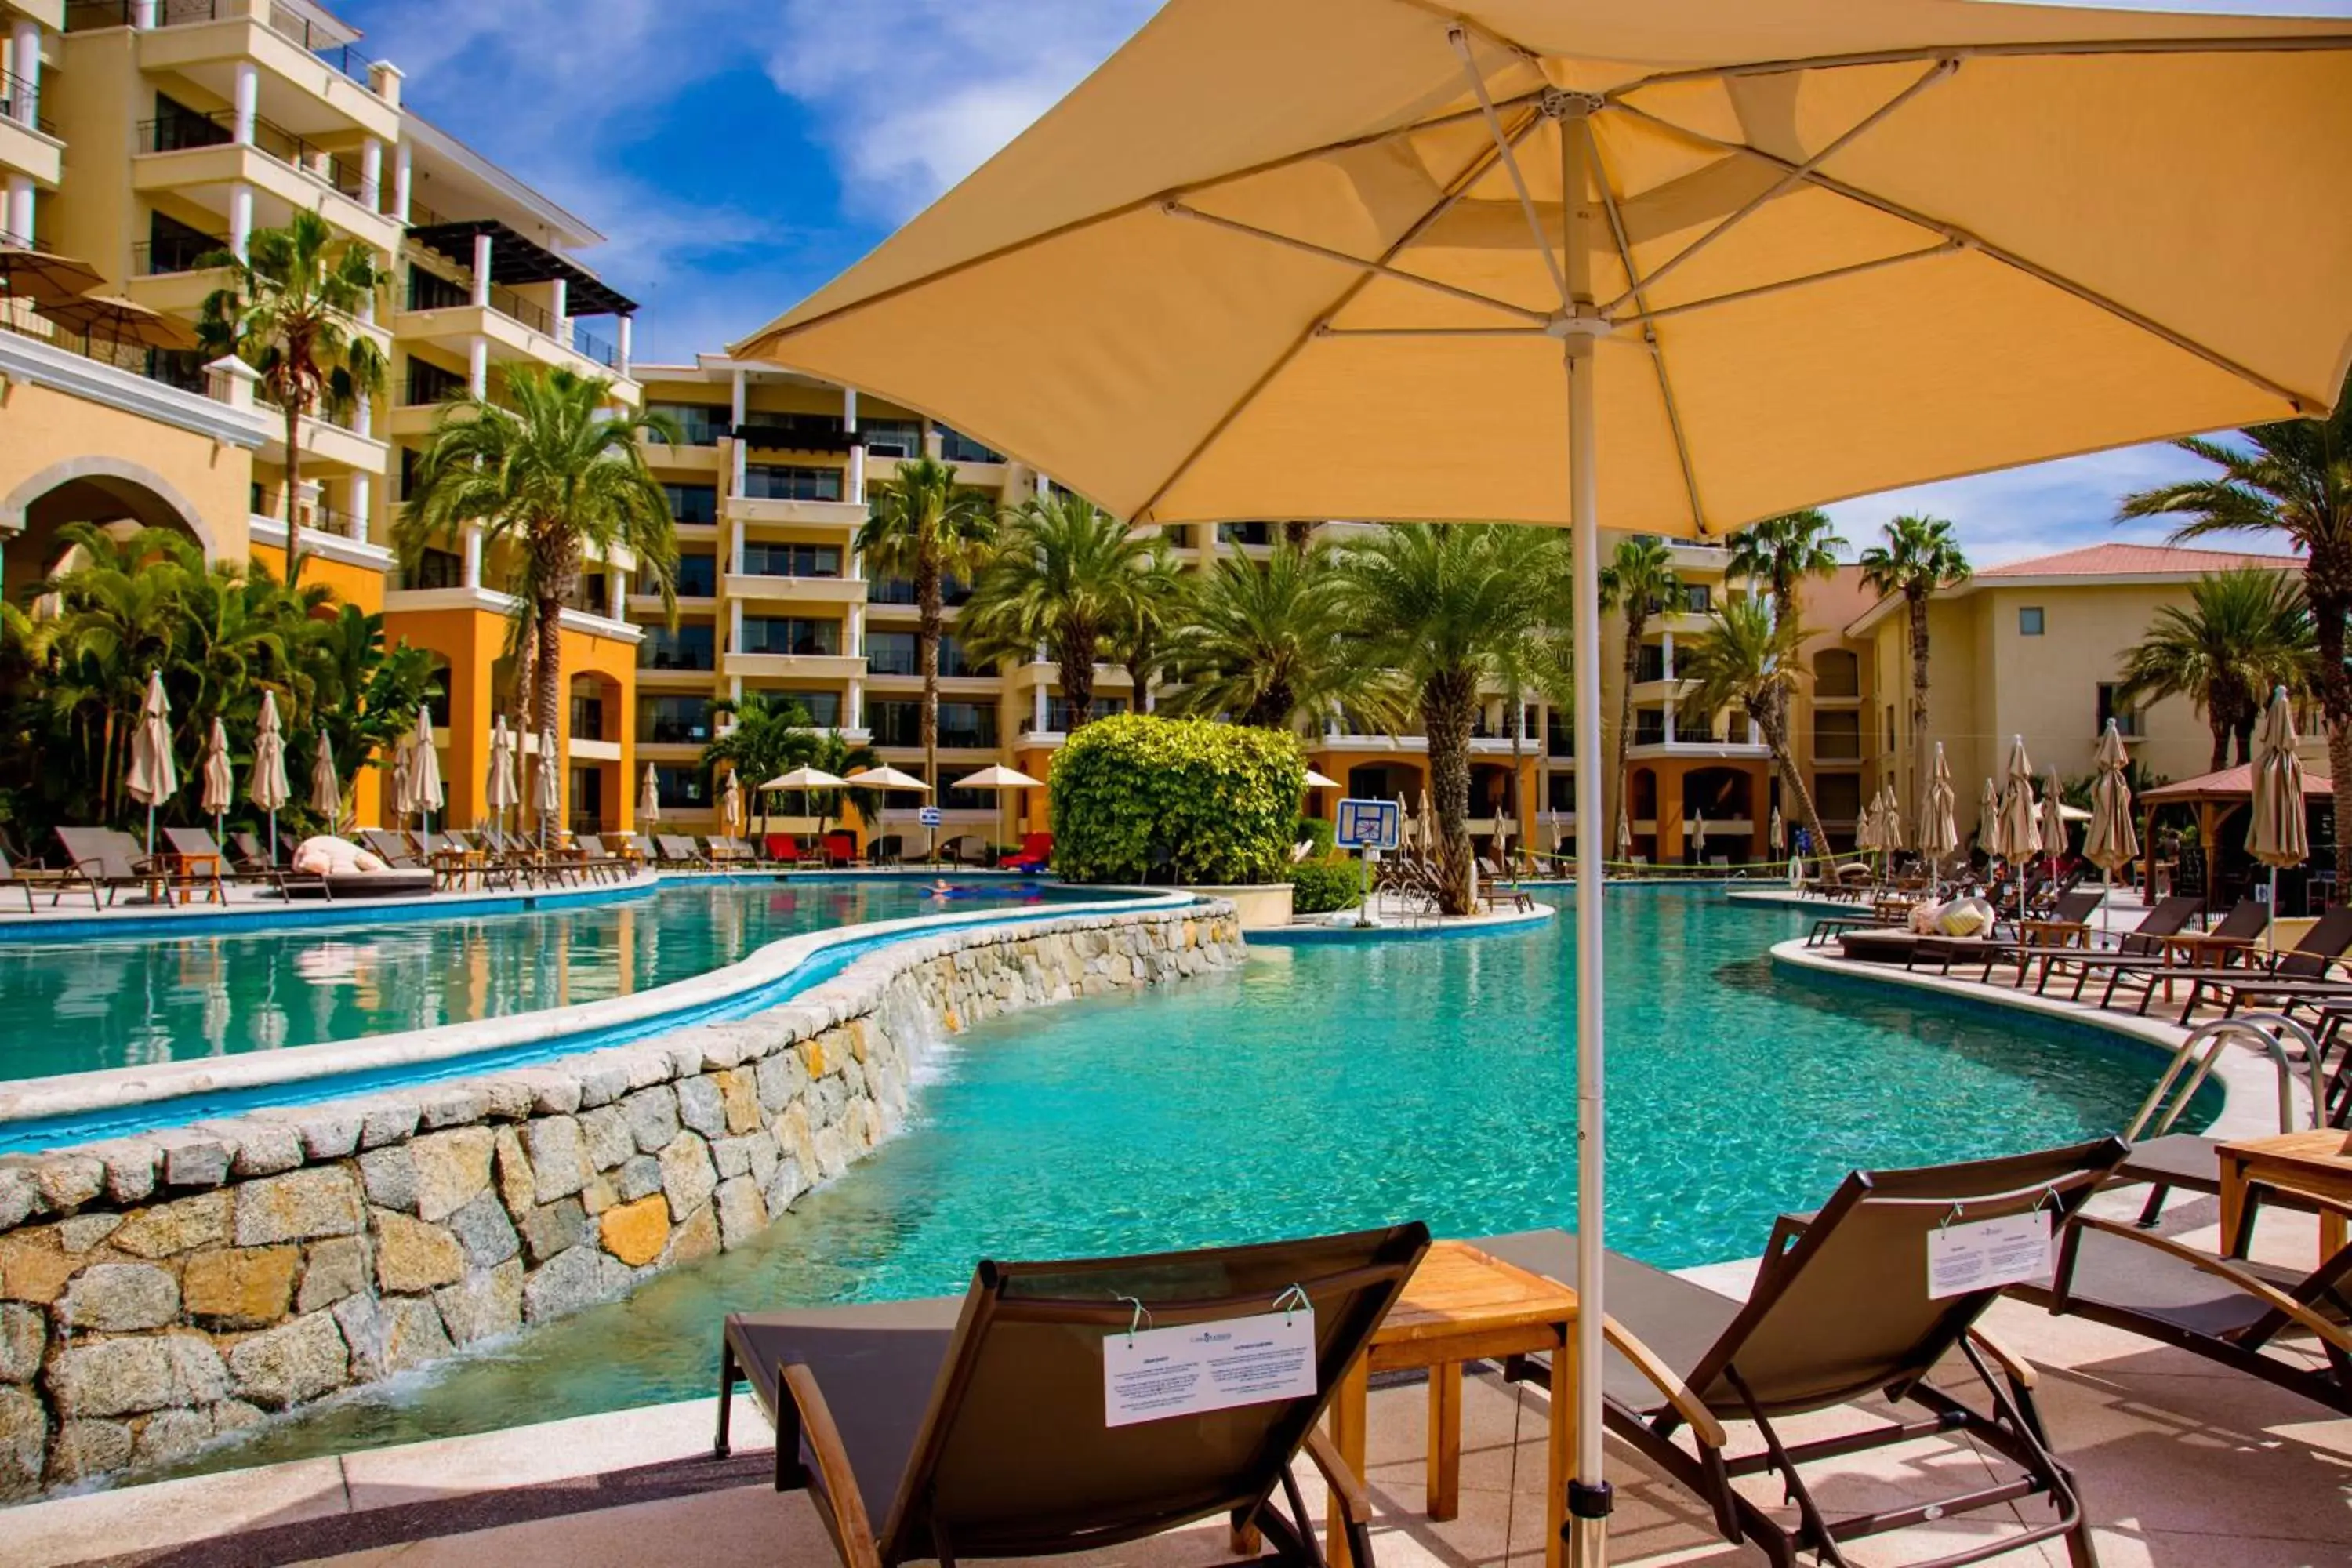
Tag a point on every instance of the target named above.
point(2295, 476)
point(554, 477)
point(1920, 555)
point(1782, 552)
point(1157, 602)
point(773, 734)
point(1065, 577)
point(288, 310)
point(1267, 645)
point(2242, 633)
point(1747, 658)
point(1638, 583)
point(1438, 603)
point(925, 527)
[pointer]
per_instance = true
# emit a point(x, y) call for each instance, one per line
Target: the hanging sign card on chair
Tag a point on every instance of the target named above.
point(1154, 1374)
point(1987, 1254)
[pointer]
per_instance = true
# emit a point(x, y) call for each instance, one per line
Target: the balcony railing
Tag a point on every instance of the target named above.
point(167, 367)
point(157, 258)
point(17, 95)
point(88, 15)
point(218, 128)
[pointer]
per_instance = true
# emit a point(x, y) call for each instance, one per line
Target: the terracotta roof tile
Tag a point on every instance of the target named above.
point(2135, 559)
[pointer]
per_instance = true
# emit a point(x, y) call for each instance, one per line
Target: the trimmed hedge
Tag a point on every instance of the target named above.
point(1137, 799)
point(1320, 887)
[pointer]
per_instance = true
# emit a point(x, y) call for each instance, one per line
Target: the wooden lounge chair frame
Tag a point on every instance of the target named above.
point(26, 879)
point(1830, 1321)
point(678, 850)
point(980, 1429)
point(112, 859)
point(2168, 916)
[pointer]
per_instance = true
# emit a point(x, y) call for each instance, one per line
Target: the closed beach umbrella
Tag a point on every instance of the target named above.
point(220, 784)
point(1890, 820)
point(267, 789)
point(1624, 838)
point(1428, 821)
point(1865, 827)
point(2053, 816)
point(1940, 834)
point(154, 777)
point(2279, 835)
point(549, 784)
point(2112, 840)
point(2021, 820)
point(326, 789)
point(1287, 210)
point(1697, 833)
point(1777, 835)
point(402, 797)
point(424, 770)
point(500, 793)
point(1989, 819)
point(730, 807)
point(649, 798)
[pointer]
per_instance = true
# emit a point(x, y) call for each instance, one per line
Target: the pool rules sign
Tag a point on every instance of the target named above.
point(1156, 1373)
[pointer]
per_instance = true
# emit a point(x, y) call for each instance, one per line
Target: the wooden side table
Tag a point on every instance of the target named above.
point(2319, 1162)
point(1464, 1305)
point(187, 870)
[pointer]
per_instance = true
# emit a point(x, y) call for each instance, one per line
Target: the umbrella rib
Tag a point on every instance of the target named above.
point(2272, 44)
point(1477, 170)
point(1504, 148)
point(1367, 264)
point(1829, 275)
point(1639, 291)
point(2303, 404)
point(1791, 176)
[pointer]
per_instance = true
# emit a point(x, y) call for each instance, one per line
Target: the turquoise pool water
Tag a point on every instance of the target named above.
point(1323, 1088)
point(75, 1006)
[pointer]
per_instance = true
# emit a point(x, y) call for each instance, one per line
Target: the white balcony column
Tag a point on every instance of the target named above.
point(17, 217)
point(142, 15)
point(240, 216)
point(481, 269)
point(735, 419)
point(383, 80)
point(616, 593)
point(1670, 720)
point(559, 299)
point(735, 626)
point(1037, 714)
point(247, 101)
point(24, 60)
point(1045, 486)
point(857, 631)
point(626, 324)
point(855, 490)
point(857, 705)
point(372, 173)
point(735, 551)
point(473, 555)
point(478, 366)
point(360, 500)
point(364, 417)
point(401, 183)
point(1667, 648)
point(935, 445)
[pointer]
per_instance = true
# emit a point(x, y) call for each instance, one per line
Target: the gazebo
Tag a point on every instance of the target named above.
point(2215, 797)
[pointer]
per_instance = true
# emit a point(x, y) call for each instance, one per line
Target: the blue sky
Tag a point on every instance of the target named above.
point(740, 152)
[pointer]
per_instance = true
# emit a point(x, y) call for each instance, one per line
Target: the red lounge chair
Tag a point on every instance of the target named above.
point(1036, 853)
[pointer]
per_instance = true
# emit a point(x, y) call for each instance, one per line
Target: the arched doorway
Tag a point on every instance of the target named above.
point(120, 498)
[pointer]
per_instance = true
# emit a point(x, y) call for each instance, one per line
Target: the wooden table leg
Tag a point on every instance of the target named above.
point(1563, 1446)
point(2331, 1233)
point(1445, 1499)
point(2233, 1201)
point(1348, 1416)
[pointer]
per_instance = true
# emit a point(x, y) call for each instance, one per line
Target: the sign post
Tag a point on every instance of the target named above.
point(930, 818)
point(1371, 827)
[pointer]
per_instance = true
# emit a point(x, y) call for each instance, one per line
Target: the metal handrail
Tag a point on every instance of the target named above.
point(180, 133)
point(2264, 1027)
point(157, 258)
point(14, 90)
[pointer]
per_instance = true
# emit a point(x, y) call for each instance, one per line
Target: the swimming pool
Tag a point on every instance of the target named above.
point(1321, 1088)
point(101, 1002)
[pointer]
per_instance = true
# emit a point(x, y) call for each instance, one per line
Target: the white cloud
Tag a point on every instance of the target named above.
point(911, 102)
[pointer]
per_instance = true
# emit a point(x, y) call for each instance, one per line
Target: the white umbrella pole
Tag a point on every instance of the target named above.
point(273, 835)
point(1587, 1524)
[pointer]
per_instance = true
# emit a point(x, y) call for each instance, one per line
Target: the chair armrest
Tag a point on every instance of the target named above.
point(1354, 1498)
point(2268, 1295)
point(851, 1528)
point(2018, 1369)
point(1687, 1405)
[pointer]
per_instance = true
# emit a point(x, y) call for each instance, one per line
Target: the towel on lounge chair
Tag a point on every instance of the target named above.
point(327, 856)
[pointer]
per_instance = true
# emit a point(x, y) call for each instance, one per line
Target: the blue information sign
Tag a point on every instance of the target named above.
point(1367, 824)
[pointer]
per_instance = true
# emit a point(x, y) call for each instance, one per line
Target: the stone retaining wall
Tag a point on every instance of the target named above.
point(161, 1291)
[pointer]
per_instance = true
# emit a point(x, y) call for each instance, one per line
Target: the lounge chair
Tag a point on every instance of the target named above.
point(26, 879)
point(954, 1430)
point(395, 849)
point(112, 860)
point(1036, 853)
point(2171, 917)
point(678, 850)
point(193, 844)
point(2296, 977)
point(1840, 1313)
point(2178, 954)
point(599, 861)
point(2222, 1307)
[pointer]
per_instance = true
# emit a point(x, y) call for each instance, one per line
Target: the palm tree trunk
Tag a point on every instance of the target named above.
point(2327, 586)
point(1076, 659)
point(1634, 627)
point(293, 489)
point(1918, 695)
point(2219, 758)
point(929, 619)
point(1792, 783)
point(550, 693)
point(1448, 707)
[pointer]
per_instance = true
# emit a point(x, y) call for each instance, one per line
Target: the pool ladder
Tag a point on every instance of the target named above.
point(2203, 1049)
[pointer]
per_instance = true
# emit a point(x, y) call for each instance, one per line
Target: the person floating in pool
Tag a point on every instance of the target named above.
point(943, 889)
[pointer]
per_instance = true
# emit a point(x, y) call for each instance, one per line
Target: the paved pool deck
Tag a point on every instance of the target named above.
point(2181, 1464)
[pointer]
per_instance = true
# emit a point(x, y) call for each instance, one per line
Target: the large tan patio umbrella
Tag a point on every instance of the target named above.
point(1989, 820)
point(220, 783)
point(267, 789)
point(549, 783)
point(2280, 835)
point(1890, 821)
point(730, 807)
point(1939, 834)
point(2112, 840)
point(2019, 823)
point(401, 799)
point(326, 789)
point(2054, 817)
point(648, 799)
point(1762, 249)
point(802, 778)
point(424, 792)
point(154, 777)
point(1001, 778)
point(500, 793)
point(886, 779)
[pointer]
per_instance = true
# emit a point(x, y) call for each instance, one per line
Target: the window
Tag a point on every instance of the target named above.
point(2127, 720)
point(1649, 727)
point(1838, 796)
point(958, 447)
point(698, 576)
point(1559, 793)
point(1890, 726)
point(408, 457)
point(2029, 620)
point(1179, 536)
point(699, 424)
point(177, 126)
point(790, 635)
point(431, 291)
point(674, 721)
point(793, 560)
point(1698, 598)
point(892, 437)
point(693, 503)
point(1837, 737)
point(681, 789)
point(1559, 735)
point(437, 569)
point(897, 653)
point(428, 383)
point(792, 432)
point(823, 708)
point(954, 590)
point(693, 645)
point(785, 481)
point(1837, 673)
point(173, 245)
point(1650, 662)
point(1246, 533)
point(899, 721)
point(1058, 710)
point(588, 718)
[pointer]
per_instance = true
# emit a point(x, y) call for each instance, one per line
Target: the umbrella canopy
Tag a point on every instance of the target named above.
point(2112, 841)
point(2018, 829)
point(550, 783)
point(1989, 818)
point(2280, 836)
point(500, 792)
point(1315, 780)
point(1777, 835)
point(2053, 815)
point(267, 788)
point(154, 777)
point(326, 789)
point(649, 798)
point(220, 784)
point(111, 320)
point(1465, 234)
point(998, 777)
point(41, 278)
point(1940, 834)
point(1890, 819)
point(730, 806)
point(424, 766)
point(1624, 834)
point(886, 778)
point(1698, 831)
point(804, 778)
point(1427, 820)
point(403, 799)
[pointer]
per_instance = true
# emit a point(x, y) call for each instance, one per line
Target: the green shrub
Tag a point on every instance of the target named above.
point(1319, 831)
point(1137, 799)
point(1320, 887)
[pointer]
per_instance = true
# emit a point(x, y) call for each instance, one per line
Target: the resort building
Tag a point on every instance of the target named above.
point(137, 136)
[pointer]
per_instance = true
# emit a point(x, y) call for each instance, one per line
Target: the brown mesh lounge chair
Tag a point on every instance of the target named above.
point(29, 880)
point(1838, 1312)
point(2225, 1309)
point(2171, 917)
point(112, 859)
point(678, 850)
point(2298, 977)
point(2234, 935)
point(954, 1430)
